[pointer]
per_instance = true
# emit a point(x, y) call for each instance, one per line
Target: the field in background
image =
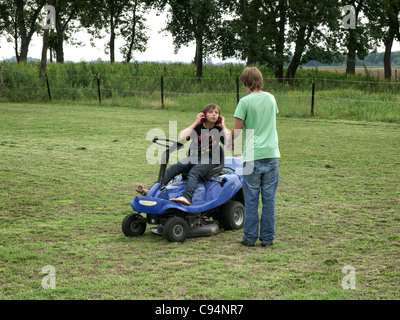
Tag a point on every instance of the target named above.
point(374, 72)
point(174, 86)
point(69, 171)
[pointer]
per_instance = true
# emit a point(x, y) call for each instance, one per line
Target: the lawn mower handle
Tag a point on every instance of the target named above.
point(178, 144)
point(165, 156)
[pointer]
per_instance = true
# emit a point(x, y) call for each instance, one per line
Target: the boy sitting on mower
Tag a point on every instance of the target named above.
point(207, 131)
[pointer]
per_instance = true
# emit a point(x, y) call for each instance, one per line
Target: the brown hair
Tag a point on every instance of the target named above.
point(211, 106)
point(251, 77)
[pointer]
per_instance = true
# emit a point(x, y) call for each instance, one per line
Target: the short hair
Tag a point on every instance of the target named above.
point(252, 78)
point(211, 106)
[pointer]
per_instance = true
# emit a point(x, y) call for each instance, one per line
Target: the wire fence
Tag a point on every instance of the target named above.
point(16, 85)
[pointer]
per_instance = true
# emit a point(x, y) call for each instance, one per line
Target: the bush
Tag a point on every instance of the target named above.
point(140, 83)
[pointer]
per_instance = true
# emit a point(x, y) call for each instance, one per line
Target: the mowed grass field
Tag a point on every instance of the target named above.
point(68, 173)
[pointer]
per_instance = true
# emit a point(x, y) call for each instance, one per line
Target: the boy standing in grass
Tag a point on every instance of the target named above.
point(256, 115)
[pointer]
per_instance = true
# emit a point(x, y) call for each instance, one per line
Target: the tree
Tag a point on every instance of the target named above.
point(66, 13)
point(312, 26)
point(357, 41)
point(239, 36)
point(193, 20)
point(119, 18)
point(100, 15)
point(384, 17)
point(264, 31)
point(19, 21)
point(3, 22)
point(133, 29)
point(256, 33)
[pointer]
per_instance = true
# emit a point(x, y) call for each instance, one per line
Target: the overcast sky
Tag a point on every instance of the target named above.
point(159, 47)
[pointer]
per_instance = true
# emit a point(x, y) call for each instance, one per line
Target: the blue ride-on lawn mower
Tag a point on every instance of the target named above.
point(217, 204)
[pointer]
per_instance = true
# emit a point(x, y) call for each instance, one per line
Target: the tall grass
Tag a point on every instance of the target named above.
point(338, 96)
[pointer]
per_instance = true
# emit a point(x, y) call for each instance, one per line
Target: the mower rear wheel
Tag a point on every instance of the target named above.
point(176, 229)
point(131, 226)
point(232, 215)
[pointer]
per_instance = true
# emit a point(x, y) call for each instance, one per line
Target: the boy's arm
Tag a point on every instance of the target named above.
point(237, 128)
point(185, 133)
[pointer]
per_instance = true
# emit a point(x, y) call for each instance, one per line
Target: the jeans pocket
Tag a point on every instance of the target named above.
point(249, 167)
point(274, 162)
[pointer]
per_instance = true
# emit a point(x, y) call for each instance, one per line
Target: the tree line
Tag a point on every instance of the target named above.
point(267, 32)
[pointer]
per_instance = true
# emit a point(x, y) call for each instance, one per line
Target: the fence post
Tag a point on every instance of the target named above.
point(98, 86)
point(237, 89)
point(162, 92)
point(312, 97)
point(48, 86)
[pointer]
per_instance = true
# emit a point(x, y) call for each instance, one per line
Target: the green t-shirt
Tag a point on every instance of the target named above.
point(258, 112)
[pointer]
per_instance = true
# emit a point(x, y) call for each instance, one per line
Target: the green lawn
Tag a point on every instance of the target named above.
point(68, 173)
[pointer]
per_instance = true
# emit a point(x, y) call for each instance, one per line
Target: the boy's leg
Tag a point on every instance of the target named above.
point(251, 196)
point(269, 184)
point(195, 174)
point(176, 169)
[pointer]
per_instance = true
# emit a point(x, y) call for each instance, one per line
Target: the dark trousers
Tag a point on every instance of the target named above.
point(196, 170)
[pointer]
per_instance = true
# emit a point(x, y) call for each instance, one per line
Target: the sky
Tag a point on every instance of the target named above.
point(159, 47)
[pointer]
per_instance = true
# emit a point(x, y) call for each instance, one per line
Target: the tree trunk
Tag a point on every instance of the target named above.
point(60, 47)
point(351, 61)
point(23, 55)
point(16, 38)
point(26, 36)
point(386, 59)
point(133, 34)
point(112, 40)
point(280, 42)
point(252, 35)
point(199, 58)
point(352, 44)
point(43, 61)
point(294, 64)
point(60, 39)
point(251, 60)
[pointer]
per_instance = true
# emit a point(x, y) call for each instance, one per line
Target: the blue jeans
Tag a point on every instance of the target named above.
point(195, 171)
point(264, 177)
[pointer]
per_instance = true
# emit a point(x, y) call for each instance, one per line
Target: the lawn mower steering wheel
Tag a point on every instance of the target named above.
point(169, 146)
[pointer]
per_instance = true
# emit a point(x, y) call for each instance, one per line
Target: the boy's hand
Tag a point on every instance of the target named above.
point(222, 123)
point(199, 117)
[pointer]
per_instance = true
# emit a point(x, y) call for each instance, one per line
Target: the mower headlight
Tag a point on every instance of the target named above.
point(147, 203)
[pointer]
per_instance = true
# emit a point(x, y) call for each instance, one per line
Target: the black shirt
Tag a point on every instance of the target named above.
point(204, 139)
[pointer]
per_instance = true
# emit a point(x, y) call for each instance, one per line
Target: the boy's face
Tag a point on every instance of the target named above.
point(212, 115)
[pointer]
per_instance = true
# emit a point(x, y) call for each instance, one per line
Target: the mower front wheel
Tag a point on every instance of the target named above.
point(131, 226)
point(176, 229)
